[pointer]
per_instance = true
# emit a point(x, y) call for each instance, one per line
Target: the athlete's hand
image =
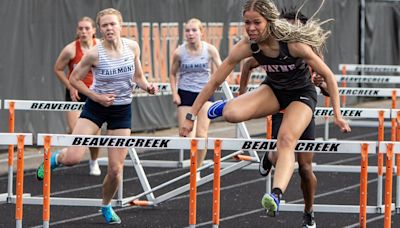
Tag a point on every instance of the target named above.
point(343, 125)
point(105, 99)
point(151, 89)
point(176, 99)
point(186, 128)
point(73, 93)
point(318, 80)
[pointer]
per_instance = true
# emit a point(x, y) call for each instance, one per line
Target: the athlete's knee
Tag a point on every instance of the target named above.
point(286, 140)
point(306, 172)
point(114, 171)
point(69, 159)
point(230, 116)
point(201, 133)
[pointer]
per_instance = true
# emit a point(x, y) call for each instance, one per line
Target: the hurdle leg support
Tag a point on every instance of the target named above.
point(140, 172)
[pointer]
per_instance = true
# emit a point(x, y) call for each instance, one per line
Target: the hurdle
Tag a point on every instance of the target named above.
point(39, 105)
point(49, 140)
point(390, 148)
point(354, 147)
point(354, 113)
point(370, 68)
point(19, 139)
point(345, 78)
point(396, 116)
point(12, 106)
point(165, 89)
point(379, 79)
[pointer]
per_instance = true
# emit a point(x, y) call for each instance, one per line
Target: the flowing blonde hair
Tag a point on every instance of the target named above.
point(310, 33)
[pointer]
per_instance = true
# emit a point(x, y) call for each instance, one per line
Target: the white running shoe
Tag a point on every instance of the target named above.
point(94, 168)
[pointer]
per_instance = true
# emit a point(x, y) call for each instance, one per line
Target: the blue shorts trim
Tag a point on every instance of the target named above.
point(116, 116)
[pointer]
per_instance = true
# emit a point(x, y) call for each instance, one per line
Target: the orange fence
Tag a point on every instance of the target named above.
point(159, 40)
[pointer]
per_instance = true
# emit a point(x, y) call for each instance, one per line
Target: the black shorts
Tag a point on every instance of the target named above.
point(308, 134)
point(188, 97)
point(68, 96)
point(116, 116)
point(307, 95)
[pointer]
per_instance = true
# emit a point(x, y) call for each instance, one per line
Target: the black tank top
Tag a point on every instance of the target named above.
point(284, 72)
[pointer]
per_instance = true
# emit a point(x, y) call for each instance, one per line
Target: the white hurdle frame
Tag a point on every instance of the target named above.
point(353, 147)
point(40, 105)
point(19, 139)
point(164, 88)
point(347, 147)
point(370, 68)
point(359, 113)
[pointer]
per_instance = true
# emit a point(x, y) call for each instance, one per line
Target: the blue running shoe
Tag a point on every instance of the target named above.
point(110, 215)
point(271, 204)
point(216, 109)
point(53, 165)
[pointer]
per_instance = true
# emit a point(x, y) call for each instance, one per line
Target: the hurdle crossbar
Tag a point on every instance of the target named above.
point(164, 88)
point(355, 113)
point(376, 79)
point(363, 148)
point(370, 68)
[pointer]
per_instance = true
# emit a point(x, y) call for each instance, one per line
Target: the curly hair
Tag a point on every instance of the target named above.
point(310, 33)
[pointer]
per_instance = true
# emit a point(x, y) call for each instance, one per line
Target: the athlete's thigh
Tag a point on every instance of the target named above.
point(203, 122)
point(255, 104)
point(72, 118)
point(296, 118)
point(116, 156)
point(82, 127)
point(305, 158)
point(85, 127)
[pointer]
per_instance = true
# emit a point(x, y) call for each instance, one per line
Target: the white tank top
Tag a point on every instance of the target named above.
point(115, 76)
point(194, 71)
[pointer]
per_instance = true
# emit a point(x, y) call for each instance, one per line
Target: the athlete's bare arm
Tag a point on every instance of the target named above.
point(305, 52)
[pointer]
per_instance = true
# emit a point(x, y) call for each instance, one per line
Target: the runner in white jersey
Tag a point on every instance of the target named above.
point(116, 66)
point(191, 65)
